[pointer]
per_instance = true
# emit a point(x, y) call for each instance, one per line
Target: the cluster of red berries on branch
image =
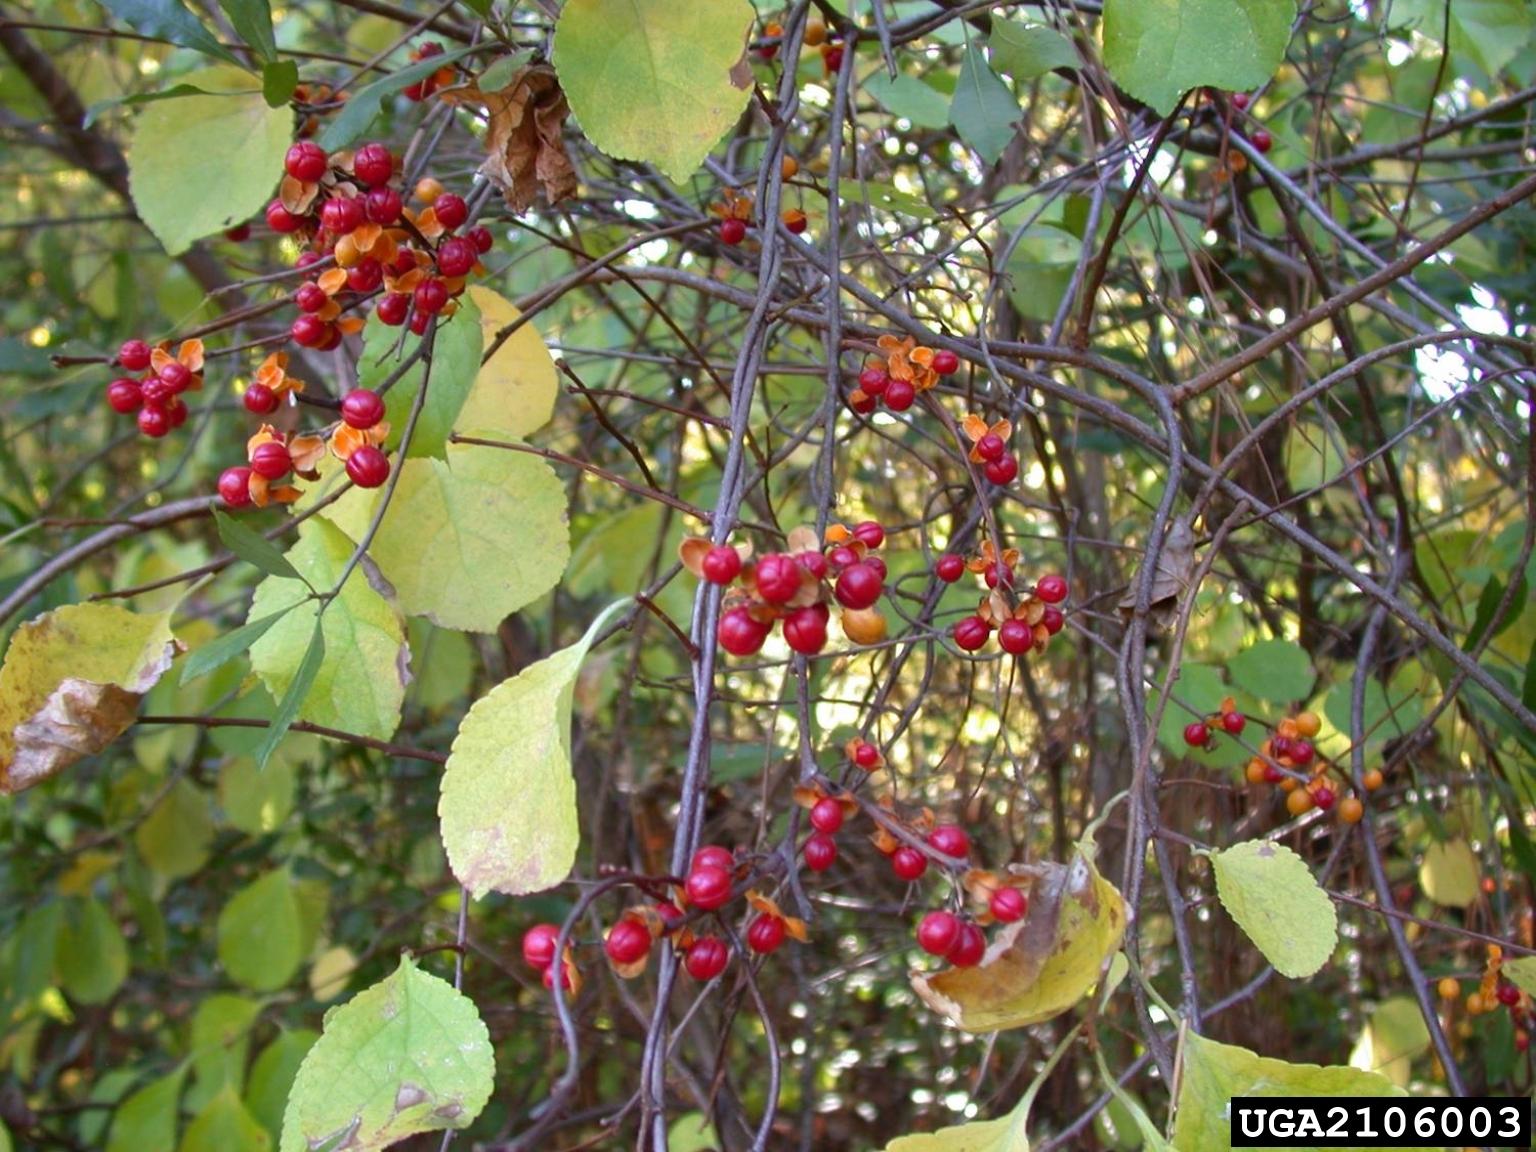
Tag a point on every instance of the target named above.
point(1494, 991)
point(816, 36)
point(906, 370)
point(442, 78)
point(155, 397)
point(794, 590)
point(1024, 620)
point(989, 448)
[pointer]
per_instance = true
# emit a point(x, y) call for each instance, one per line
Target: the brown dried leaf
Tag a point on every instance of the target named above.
point(525, 145)
point(1175, 565)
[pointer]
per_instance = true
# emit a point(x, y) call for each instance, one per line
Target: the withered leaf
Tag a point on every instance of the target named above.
point(1175, 566)
point(525, 144)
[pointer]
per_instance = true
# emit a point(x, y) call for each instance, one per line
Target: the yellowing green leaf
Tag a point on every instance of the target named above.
point(225, 1126)
point(1159, 49)
point(1042, 965)
point(176, 837)
point(256, 800)
point(220, 1041)
point(1214, 1073)
point(71, 683)
point(331, 972)
point(508, 804)
point(231, 131)
point(259, 938)
point(469, 540)
point(408, 1055)
point(977, 1136)
point(1450, 874)
point(514, 393)
point(1394, 1035)
point(361, 684)
point(1276, 901)
point(92, 957)
point(1522, 971)
point(658, 81)
point(147, 1119)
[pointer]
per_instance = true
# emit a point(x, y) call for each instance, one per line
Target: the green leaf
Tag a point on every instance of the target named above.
point(1277, 902)
point(279, 80)
point(220, 652)
point(508, 803)
point(408, 1055)
point(1522, 970)
point(1040, 270)
point(360, 682)
point(36, 945)
point(1394, 1035)
point(257, 800)
point(176, 837)
point(220, 1042)
point(225, 1126)
point(272, 1076)
point(468, 541)
point(500, 73)
point(92, 957)
point(147, 1119)
point(910, 98)
point(1159, 49)
point(455, 364)
point(254, 548)
point(1026, 51)
point(259, 941)
point(1215, 1073)
point(1487, 605)
point(1386, 713)
point(1450, 874)
point(514, 390)
point(171, 21)
point(983, 111)
point(71, 683)
point(252, 19)
point(657, 81)
point(234, 134)
point(101, 107)
point(1274, 670)
point(1488, 33)
point(295, 695)
point(358, 114)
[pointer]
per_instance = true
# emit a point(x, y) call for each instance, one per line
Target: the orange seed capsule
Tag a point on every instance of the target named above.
point(815, 33)
point(1351, 810)
point(1308, 724)
point(1299, 802)
point(789, 167)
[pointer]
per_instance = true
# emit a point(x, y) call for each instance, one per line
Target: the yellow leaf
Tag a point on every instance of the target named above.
point(514, 393)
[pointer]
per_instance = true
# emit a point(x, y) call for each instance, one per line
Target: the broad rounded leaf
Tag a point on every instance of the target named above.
point(70, 684)
point(1042, 965)
point(147, 1119)
point(272, 1075)
point(224, 1125)
point(1489, 33)
point(92, 957)
point(508, 804)
point(1394, 1035)
point(176, 837)
point(1450, 874)
point(260, 943)
point(658, 81)
point(977, 1136)
point(233, 133)
point(361, 684)
point(257, 800)
point(408, 1055)
point(1214, 1073)
point(514, 392)
point(1275, 670)
point(1276, 901)
point(1159, 49)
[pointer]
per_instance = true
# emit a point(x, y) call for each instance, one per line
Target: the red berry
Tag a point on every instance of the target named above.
point(1015, 637)
point(1240, 100)
point(431, 297)
point(739, 633)
point(1197, 734)
point(827, 815)
point(766, 934)
point(176, 412)
point(124, 395)
point(862, 403)
point(481, 238)
point(832, 57)
point(628, 941)
point(1262, 140)
point(154, 422)
point(539, 945)
point(998, 573)
point(365, 276)
point(870, 532)
point(367, 467)
point(899, 395)
point(778, 578)
point(874, 380)
point(732, 230)
point(1052, 589)
point(1008, 905)
point(235, 487)
point(134, 355)
point(382, 206)
point(991, 447)
point(708, 888)
point(176, 376)
point(239, 234)
point(456, 256)
point(361, 408)
point(310, 298)
point(879, 567)
point(945, 363)
point(937, 933)
point(1002, 471)
point(1233, 722)
point(949, 567)
point(951, 840)
point(795, 221)
point(270, 459)
point(805, 629)
point(393, 308)
point(450, 210)
point(1324, 796)
point(1273, 774)
point(712, 856)
point(842, 556)
point(279, 219)
point(721, 564)
point(307, 257)
point(306, 161)
point(155, 392)
point(969, 947)
point(908, 863)
point(866, 756)
point(1302, 752)
point(1053, 620)
point(373, 164)
point(820, 852)
point(340, 216)
point(971, 633)
point(549, 977)
point(1508, 994)
point(858, 586)
point(309, 331)
point(814, 563)
point(419, 322)
point(707, 958)
point(260, 400)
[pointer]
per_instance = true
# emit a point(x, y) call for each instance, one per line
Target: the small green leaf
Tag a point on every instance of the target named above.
point(221, 651)
point(175, 839)
point(279, 80)
point(225, 1126)
point(1041, 268)
point(295, 695)
point(1450, 874)
point(1487, 605)
point(1487, 33)
point(500, 73)
point(169, 20)
point(220, 1043)
point(1276, 901)
point(254, 548)
point(1026, 51)
point(910, 98)
point(92, 958)
point(1275, 670)
point(259, 937)
point(36, 946)
point(1391, 1039)
point(408, 1055)
point(272, 1076)
point(257, 800)
point(983, 111)
point(1522, 970)
point(358, 113)
point(147, 1119)
point(252, 19)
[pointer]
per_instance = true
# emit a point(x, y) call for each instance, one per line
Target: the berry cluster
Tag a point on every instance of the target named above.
point(989, 448)
point(1494, 991)
point(907, 369)
point(1023, 624)
point(156, 395)
point(440, 79)
point(793, 589)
